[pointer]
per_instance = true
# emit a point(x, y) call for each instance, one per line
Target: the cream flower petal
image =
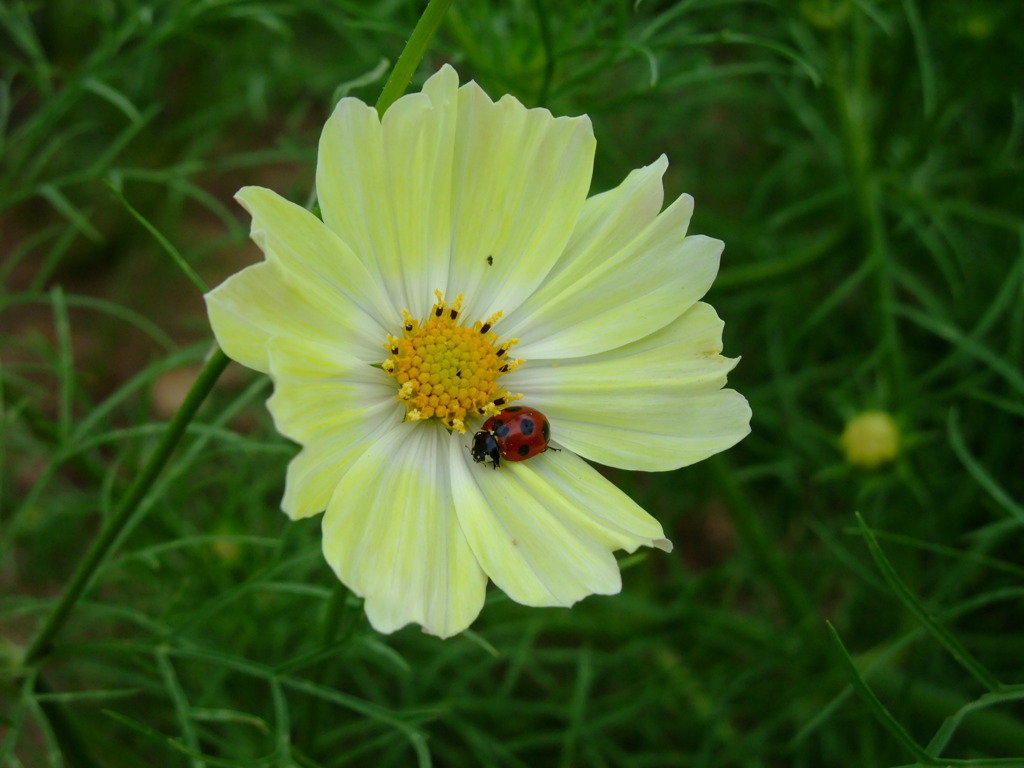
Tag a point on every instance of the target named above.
point(320, 267)
point(419, 139)
point(416, 194)
point(253, 305)
point(653, 405)
point(604, 301)
point(352, 188)
point(391, 535)
point(333, 405)
point(385, 187)
point(609, 222)
point(520, 181)
point(544, 530)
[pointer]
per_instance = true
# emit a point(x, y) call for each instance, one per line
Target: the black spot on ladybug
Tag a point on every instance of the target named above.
point(490, 261)
point(527, 426)
point(500, 429)
point(545, 430)
point(523, 450)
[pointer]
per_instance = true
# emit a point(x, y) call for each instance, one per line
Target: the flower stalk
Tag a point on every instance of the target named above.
point(110, 534)
point(413, 53)
point(850, 89)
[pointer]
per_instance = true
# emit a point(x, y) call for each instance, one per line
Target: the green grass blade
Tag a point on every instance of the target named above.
point(166, 244)
point(910, 601)
point(75, 216)
point(65, 363)
point(876, 707)
point(182, 709)
point(976, 470)
point(997, 727)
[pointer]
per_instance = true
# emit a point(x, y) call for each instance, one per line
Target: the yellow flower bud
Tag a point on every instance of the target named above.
point(870, 439)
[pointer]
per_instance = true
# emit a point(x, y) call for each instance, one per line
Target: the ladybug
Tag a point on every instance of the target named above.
point(515, 434)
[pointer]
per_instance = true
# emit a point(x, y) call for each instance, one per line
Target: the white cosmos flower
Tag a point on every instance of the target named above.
point(467, 212)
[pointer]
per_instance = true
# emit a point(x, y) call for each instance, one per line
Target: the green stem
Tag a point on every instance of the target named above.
point(547, 48)
point(102, 545)
point(851, 93)
point(334, 613)
point(72, 745)
point(413, 53)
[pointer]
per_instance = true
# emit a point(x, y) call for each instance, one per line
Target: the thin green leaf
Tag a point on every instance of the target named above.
point(172, 743)
point(65, 363)
point(70, 211)
point(924, 58)
point(164, 243)
point(181, 706)
point(113, 97)
point(976, 470)
point(1004, 723)
point(347, 701)
point(282, 724)
point(13, 721)
point(910, 601)
point(1009, 372)
point(876, 707)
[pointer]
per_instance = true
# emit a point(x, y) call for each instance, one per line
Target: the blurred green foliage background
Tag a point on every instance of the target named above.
point(862, 161)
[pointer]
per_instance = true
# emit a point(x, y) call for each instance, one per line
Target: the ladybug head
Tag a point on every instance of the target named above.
point(485, 447)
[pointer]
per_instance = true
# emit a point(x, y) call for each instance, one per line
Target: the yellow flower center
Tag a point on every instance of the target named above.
point(446, 369)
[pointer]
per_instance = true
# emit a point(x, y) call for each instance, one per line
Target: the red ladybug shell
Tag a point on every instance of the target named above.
point(518, 433)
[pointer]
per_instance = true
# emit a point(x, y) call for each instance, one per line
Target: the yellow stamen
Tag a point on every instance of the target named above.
point(447, 370)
